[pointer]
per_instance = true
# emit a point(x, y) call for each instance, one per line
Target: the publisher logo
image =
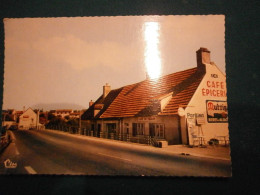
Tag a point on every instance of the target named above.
point(9, 164)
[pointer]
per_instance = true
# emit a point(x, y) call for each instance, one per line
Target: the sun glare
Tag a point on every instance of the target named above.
point(152, 54)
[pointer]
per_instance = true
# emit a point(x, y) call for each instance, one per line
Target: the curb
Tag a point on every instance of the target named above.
point(2, 148)
point(200, 155)
point(96, 138)
point(137, 144)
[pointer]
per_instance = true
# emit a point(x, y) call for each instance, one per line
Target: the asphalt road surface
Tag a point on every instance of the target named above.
point(50, 152)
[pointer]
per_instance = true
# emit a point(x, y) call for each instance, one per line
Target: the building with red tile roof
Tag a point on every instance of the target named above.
point(168, 107)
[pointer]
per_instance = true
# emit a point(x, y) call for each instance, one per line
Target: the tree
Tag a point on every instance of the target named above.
point(51, 116)
point(8, 117)
point(67, 117)
point(42, 115)
point(73, 122)
point(56, 121)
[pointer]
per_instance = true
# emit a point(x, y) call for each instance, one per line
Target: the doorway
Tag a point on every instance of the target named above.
point(157, 130)
point(98, 129)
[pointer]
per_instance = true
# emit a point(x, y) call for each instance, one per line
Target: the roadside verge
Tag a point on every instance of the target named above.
point(218, 153)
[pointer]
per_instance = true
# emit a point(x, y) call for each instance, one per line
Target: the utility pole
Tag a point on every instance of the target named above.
point(37, 119)
point(79, 121)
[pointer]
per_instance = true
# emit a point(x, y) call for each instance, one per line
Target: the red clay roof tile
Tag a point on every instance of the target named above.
point(142, 99)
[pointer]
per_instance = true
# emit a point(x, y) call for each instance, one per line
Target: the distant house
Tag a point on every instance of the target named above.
point(179, 107)
point(70, 113)
point(11, 114)
point(74, 114)
point(61, 112)
point(29, 120)
point(10, 117)
point(18, 114)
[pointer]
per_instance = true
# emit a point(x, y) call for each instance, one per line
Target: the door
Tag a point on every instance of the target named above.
point(98, 129)
point(156, 130)
point(152, 130)
point(111, 127)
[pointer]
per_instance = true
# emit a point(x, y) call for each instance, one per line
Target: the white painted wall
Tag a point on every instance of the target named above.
point(198, 104)
point(28, 119)
point(172, 134)
point(171, 126)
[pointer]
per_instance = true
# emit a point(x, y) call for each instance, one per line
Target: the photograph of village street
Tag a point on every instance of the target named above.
point(117, 96)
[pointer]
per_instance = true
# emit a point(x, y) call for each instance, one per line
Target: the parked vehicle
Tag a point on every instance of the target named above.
point(13, 127)
point(3, 130)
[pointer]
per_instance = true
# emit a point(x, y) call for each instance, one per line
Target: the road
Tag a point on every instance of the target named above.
point(51, 152)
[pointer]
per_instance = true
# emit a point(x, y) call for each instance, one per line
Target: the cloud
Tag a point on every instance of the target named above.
point(80, 54)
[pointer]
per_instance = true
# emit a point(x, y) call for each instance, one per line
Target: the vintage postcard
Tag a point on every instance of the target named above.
point(120, 96)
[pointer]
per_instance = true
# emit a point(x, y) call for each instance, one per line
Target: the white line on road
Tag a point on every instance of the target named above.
point(12, 136)
point(16, 151)
point(30, 170)
point(115, 157)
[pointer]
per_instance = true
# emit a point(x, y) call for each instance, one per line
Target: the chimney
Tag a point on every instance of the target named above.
point(203, 57)
point(106, 90)
point(147, 75)
point(91, 103)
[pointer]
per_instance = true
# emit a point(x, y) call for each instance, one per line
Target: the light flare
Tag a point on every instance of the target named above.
point(152, 53)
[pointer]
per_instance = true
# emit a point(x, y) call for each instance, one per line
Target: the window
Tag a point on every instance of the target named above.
point(156, 130)
point(138, 129)
point(111, 127)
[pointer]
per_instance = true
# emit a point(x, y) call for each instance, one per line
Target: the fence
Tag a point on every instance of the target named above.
point(69, 129)
point(142, 139)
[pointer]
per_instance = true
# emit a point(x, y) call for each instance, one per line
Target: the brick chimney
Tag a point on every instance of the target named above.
point(203, 57)
point(91, 103)
point(106, 90)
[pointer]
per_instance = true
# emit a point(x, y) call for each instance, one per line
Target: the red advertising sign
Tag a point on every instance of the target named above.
point(217, 111)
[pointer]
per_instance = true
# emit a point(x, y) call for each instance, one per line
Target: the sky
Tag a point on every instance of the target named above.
point(54, 63)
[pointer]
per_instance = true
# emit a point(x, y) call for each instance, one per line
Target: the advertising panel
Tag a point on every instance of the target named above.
point(217, 111)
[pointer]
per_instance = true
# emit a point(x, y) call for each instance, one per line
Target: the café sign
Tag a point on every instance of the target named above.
point(150, 118)
point(198, 118)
